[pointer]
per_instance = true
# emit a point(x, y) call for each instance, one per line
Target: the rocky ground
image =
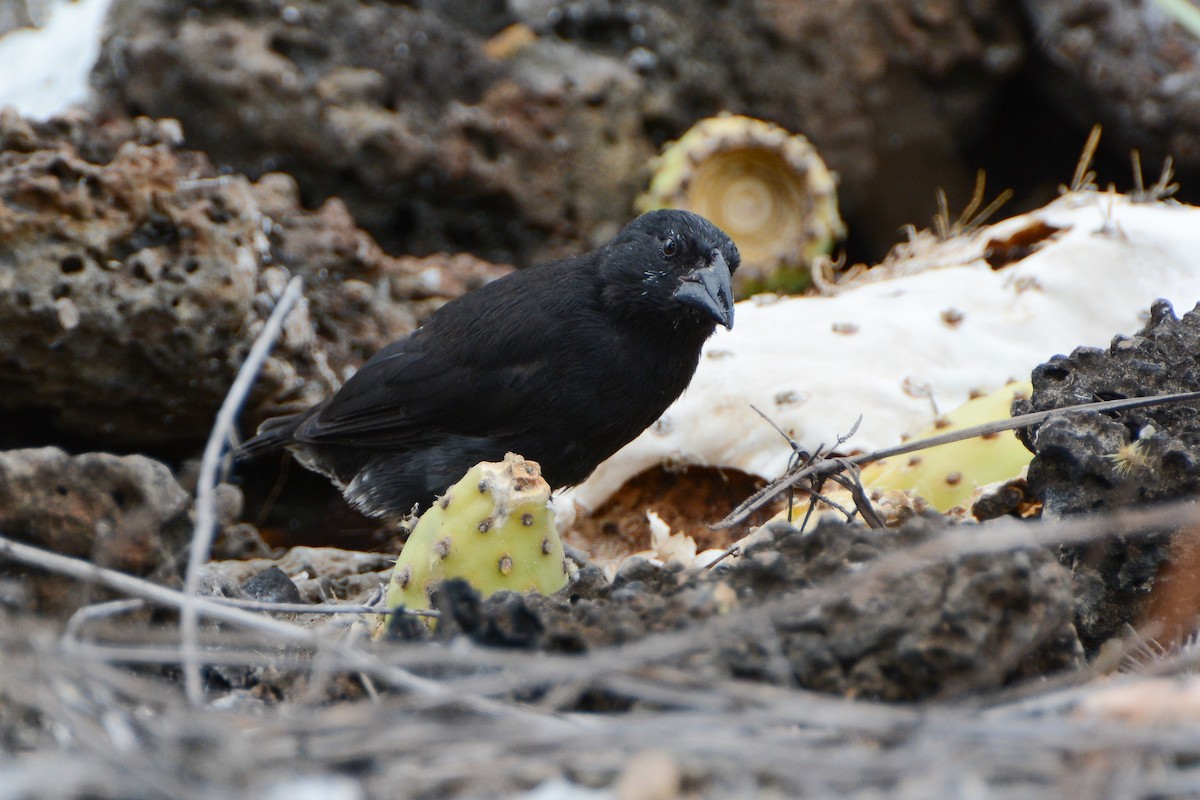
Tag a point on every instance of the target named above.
point(395, 156)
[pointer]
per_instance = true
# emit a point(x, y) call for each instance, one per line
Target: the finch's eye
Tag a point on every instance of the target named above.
point(670, 247)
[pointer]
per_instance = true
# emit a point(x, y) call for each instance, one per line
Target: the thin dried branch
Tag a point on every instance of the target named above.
point(1165, 187)
point(829, 465)
point(941, 217)
point(1139, 188)
point(206, 501)
point(106, 610)
point(816, 496)
point(749, 734)
point(1004, 535)
point(801, 458)
point(277, 631)
point(320, 608)
point(854, 485)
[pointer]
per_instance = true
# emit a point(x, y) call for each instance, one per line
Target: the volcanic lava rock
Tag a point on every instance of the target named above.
point(1130, 66)
point(519, 131)
point(123, 512)
point(1093, 462)
point(134, 279)
point(952, 625)
point(958, 624)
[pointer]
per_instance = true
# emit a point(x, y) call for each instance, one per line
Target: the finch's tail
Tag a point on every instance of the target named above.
point(273, 434)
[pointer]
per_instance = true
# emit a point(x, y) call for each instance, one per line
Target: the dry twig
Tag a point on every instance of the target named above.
point(719, 729)
point(831, 465)
point(206, 503)
point(277, 631)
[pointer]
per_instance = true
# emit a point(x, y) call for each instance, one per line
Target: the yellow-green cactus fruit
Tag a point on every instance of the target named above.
point(948, 476)
point(495, 528)
point(767, 188)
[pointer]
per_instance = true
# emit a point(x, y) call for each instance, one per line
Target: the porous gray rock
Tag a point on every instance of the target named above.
point(1129, 66)
point(130, 289)
point(956, 625)
point(123, 512)
point(134, 278)
point(1094, 462)
point(953, 625)
point(519, 131)
point(401, 112)
point(318, 573)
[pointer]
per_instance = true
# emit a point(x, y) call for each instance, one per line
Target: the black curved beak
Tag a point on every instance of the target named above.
point(709, 289)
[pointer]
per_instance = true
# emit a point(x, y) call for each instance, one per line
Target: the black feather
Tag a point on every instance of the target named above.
point(563, 363)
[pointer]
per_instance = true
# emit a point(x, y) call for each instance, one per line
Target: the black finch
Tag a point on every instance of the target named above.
point(563, 363)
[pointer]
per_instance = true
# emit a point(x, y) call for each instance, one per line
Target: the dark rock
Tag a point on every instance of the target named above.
point(962, 624)
point(403, 627)
point(443, 131)
point(272, 585)
point(459, 606)
point(1092, 462)
point(588, 583)
point(1009, 499)
point(503, 619)
point(1129, 66)
point(510, 622)
point(397, 110)
point(639, 570)
point(122, 512)
point(953, 626)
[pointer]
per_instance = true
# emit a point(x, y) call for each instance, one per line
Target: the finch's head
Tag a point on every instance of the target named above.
point(674, 264)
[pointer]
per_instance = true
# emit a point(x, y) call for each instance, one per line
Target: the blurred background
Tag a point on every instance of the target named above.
point(522, 130)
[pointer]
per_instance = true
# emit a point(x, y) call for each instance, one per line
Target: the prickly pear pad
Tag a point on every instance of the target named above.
point(494, 528)
point(948, 475)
